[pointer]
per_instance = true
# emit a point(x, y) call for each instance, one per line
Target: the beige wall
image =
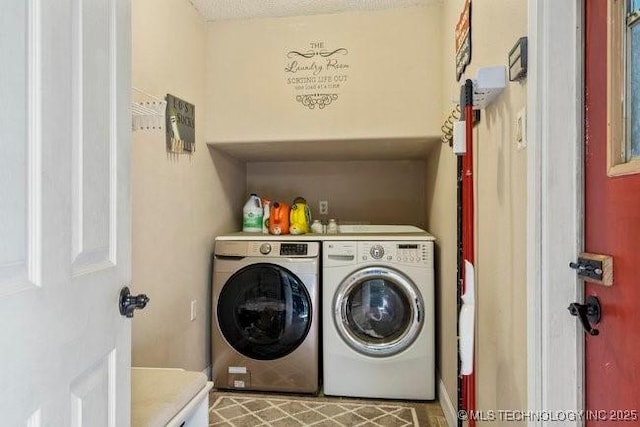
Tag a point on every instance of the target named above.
point(500, 216)
point(376, 192)
point(392, 88)
point(179, 203)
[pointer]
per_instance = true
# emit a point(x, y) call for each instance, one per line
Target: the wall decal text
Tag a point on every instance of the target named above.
point(317, 74)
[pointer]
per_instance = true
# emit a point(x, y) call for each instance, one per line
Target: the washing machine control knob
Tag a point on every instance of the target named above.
point(377, 252)
point(265, 248)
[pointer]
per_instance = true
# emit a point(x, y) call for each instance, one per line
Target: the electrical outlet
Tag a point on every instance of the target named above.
point(521, 129)
point(324, 207)
point(194, 305)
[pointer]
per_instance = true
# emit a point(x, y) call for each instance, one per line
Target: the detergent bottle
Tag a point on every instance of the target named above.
point(300, 217)
point(266, 207)
point(252, 215)
point(279, 218)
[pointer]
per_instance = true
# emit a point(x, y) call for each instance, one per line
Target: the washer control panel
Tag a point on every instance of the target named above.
point(294, 249)
point(265, 249)
point(271, 249)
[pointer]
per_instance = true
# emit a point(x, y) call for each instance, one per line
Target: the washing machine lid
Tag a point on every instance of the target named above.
point(378, 311)
point(264, 311)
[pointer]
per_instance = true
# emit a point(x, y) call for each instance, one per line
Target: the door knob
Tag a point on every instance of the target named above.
point(589, 313)
point(129, 302)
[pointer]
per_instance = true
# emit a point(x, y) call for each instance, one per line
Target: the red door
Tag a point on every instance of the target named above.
point(612, 227)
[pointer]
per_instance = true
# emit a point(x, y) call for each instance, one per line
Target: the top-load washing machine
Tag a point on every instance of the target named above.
point(265, 320)
point(378, 315)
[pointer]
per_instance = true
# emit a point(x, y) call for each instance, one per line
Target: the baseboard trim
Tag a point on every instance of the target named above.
point(449, 410)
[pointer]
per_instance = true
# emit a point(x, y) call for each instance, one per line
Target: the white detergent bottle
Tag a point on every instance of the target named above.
point(252, 215)
point(266, 206)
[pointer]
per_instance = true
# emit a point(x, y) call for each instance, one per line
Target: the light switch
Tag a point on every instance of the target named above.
point(194, 305)
point(521, 129)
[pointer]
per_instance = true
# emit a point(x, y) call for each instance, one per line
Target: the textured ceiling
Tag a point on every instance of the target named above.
point(214, 10)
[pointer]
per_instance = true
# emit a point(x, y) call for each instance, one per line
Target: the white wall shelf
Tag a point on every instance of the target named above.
point(488, 84)
point(415, 148)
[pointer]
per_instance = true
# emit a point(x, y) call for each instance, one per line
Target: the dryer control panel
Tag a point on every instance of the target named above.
point(413, 253)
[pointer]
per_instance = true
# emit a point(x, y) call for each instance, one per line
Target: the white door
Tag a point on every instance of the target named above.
point(64, 212)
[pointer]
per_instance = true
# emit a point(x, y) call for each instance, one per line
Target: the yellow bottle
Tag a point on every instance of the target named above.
point(300, 216)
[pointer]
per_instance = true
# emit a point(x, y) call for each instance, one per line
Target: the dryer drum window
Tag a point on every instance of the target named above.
point(378, 311)
point(264, 311)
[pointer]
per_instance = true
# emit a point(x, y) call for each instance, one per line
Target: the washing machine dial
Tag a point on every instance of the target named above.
point(265, 249)
point(377, 252)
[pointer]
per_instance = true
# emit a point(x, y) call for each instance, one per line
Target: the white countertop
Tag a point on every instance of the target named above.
point(347, 232)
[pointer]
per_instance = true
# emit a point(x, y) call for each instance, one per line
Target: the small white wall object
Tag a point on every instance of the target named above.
point(488, 84)
point(467, 321)
point(459, 137)
point(147, 112)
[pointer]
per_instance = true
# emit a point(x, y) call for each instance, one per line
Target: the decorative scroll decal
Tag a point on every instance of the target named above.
point(312, 53)
point(319, 99)
point(316, 74)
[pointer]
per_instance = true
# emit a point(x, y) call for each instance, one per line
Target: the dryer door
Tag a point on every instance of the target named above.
point(378, 311)
point(264, 311)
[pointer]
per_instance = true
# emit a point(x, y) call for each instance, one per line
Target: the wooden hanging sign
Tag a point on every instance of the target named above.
point(463, 40)
point(180, 125)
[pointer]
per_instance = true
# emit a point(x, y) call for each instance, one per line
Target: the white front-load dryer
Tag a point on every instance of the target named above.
point(378, 318)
